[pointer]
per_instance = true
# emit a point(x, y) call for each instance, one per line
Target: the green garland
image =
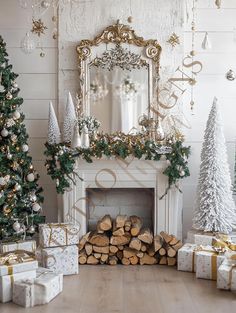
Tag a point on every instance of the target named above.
point(61, 159)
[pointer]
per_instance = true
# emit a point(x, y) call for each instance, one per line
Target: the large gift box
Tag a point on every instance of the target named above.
point(226, 276)
point(42, 290)
point(7, 281)
point(27, 245)
point(207, 263)
point(61, 259)
point(17, 262)
point(187, 257)
point(56, 235)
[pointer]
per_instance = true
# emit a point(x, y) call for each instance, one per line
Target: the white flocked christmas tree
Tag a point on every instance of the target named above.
point(215, 208)
point(70, 119)
point(54, 135)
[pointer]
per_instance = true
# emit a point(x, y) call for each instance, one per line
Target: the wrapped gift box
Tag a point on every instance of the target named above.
point(6, 284)
point(61, 259)
point(204, 239)
point(56, 235)
point(207, 263)
point(42, 290)
point(226, 276)
point(27, 245)
point(17, 262)
point(187, 258)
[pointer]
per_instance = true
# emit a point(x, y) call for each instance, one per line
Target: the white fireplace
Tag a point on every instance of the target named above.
point(114, 174)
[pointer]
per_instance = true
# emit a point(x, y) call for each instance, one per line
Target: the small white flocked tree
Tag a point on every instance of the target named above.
point(69, 120)
point(215, 209)
point(54, 135)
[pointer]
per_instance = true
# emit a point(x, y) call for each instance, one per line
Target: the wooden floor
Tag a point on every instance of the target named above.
point(135, 289)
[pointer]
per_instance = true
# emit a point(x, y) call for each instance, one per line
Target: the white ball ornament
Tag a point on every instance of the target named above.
point(4, 132)
point(31, 229)
point(16, 115)
point(2, 181)
point(25, 148)
point(30, 177)
point(9, 156)
point(16, 226)
point(182, 173)
point(36, 207)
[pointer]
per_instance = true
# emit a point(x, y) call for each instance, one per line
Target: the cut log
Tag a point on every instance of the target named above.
point(82, 257)
point(104, 258)
point(101, 249)
point(171, 261)
point(134, 260)
point(88, 248)
point(97, 255)
point(148, 260)
point(120, 240)
point(113, 249)
point(140, 254)
point(171, 252)
point(120, 221)
point(177, 246)
point(146, 236)
point(166, 236)
point(125, 261)
point(127, 225)
point(143, 247)
point(151, 250)
point(163, 260)
point(119, 255)
point(173, 241)
point(121, 247)
point(112, 260)
point(92, 260)
point(105, 223)
point(83, 241)
point(128, 253)
point(118, 232)
point(135, 243)
point(136, 225)
point(162, 251)
point(100, 240)
point(158, 242)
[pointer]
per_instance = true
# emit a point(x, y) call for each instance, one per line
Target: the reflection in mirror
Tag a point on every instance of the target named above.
point(119, 97)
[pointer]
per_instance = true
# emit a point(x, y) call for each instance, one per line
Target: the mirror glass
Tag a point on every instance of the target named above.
point(118, 98)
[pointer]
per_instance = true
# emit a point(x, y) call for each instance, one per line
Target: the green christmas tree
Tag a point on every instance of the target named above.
point(20, 195)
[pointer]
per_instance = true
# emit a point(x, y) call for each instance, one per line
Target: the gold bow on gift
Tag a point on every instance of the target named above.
point(223, 242)
point(18, 256)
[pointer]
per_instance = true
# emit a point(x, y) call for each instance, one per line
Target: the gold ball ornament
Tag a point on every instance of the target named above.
point(6, 209)
point(130, 19)
point(193, 53)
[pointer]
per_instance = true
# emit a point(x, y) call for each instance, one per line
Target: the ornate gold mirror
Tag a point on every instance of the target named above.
point(119, 74)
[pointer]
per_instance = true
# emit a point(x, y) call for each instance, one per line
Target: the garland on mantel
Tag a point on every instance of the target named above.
point(61, 159)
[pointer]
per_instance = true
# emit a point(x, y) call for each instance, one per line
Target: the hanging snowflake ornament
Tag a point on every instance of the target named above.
point(174, 40)
point(38, 27)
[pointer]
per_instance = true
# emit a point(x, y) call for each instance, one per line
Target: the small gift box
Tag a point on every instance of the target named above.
point(42, 290)
point(56, 235)
point(226, 276)
point(61, 259)
point(17, 262)
point(7, 281)
point(27, 245)
point(187, 257)
point(207, 263)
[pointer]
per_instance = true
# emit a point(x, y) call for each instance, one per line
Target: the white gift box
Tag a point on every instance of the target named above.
point(226, 276)
point(18, 268)
point(42, 290)
point(187, 258)
point(6, 284)
point(61, 259)
point(56, 235)
point(207, 263)
point(27, 245)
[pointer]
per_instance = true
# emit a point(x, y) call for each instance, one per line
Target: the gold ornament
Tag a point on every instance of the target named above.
point(15, 166)
point(130, 19)
point(38, 27)
point(6, 209)
point(218, 4)
point(174, 40)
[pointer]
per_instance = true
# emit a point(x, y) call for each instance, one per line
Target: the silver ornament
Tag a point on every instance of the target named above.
point(16, 115)
point(230, 75)
point(31, 229)
point(17, 187)
point(30, 177)
point(25, 148)
point(16, 226)
point(9, 156)
point(4, 132)
point(33, 197)
point(15, 85)
point(36, 207)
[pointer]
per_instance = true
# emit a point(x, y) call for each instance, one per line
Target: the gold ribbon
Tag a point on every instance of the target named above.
point(16, 257)
point(61, 226)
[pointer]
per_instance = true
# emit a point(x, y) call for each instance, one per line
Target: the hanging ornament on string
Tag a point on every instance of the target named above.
point(45, 4)
point(36, 207)
point(206, 44)
point(230, 75)
point(16, 226)
point(28, 44)
point(218, 3)
point(85, 138)
point(9, 95)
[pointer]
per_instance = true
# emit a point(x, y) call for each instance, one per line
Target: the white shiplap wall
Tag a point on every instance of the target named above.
point(38, 83)
point(38, 78)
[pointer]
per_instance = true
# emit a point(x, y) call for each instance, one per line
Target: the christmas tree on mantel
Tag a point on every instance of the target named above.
point(20, 196)
point(215, 209)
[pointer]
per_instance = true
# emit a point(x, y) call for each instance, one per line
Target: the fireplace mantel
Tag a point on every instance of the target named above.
point(128, 173)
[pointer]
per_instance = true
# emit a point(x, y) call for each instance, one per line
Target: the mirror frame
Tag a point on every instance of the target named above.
point(116, 34)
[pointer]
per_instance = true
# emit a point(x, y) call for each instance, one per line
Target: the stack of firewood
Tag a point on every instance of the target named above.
point(125, 241)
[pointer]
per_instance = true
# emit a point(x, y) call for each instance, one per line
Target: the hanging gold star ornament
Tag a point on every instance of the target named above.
point(174, 40)
point(38, 27)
